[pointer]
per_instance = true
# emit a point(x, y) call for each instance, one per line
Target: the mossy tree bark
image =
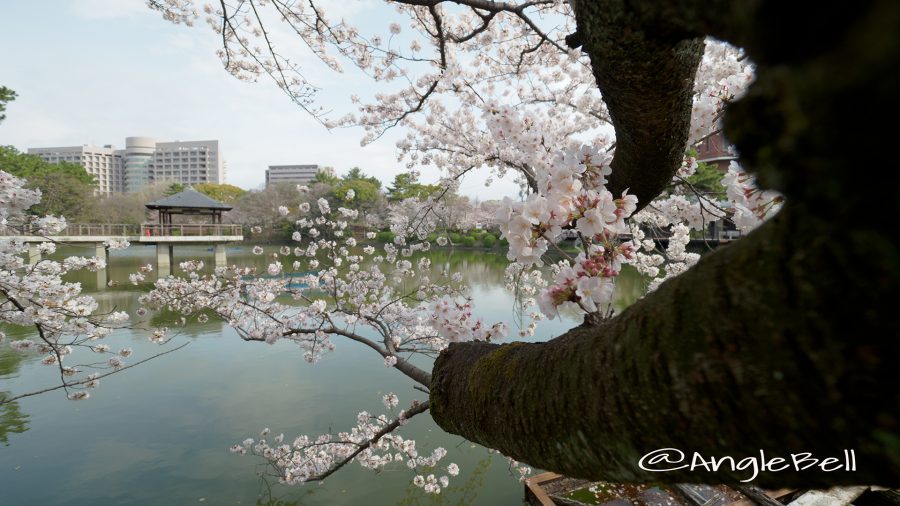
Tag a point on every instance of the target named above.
point(785, 341)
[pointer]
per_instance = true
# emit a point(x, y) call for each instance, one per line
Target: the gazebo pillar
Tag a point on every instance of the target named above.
point(34, 253)
point(221, 258)
point(102, 252)
point(163, 260)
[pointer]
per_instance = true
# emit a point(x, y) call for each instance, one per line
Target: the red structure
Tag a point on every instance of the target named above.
point(715, 150)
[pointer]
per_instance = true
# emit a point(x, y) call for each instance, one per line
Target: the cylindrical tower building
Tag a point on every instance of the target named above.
point(138, 162)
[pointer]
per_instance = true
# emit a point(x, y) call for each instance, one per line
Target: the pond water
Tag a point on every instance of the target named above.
point(159, 433)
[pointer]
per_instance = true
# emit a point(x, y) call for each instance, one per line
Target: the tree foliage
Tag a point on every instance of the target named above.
point(225, 193)
point(6, 96)
point(326, 175)
point(67, 189)
point(128, 208)
point(62, 195)
point(406, 185)
point(174, 188)
point(357, 174)
point(258, 209)
point(27, 166)
point(365, 194)
point(707, 178)
point(365, 191)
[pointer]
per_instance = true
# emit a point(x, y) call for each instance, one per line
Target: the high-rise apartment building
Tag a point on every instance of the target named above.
point(144, 160)
point(300, 174)
point(104, 163)
point(188, 162)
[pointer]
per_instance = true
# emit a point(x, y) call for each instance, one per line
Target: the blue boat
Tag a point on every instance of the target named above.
point(290, 276)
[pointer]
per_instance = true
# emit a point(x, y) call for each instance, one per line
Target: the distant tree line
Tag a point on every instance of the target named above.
point(258, 210)
point(69, 190)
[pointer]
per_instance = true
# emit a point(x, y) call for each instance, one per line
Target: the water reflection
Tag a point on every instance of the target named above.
point(459, 492)
point(12, 420)
point(159, 433)
point(270, 494)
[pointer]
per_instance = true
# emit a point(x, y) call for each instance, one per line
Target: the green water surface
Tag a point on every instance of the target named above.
point(159, 433)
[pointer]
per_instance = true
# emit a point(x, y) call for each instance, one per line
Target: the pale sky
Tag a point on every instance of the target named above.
point(97, 71)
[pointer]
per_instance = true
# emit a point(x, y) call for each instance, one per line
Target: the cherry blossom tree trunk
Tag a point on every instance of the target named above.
point(785, 341)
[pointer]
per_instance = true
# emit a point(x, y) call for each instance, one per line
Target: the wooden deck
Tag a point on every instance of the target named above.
point(551, 489)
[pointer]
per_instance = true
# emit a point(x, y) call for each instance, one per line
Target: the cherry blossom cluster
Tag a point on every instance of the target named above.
point(373, 443)
point(660, 266)
point(675, 215)
point(345, 284)
point(559, 106)
point(723, 76)
point(335, 285)
point(116, 243)
point(455, 322)
point(15, 199)
point(518, 469)
point(434, 41)
point(414, 218)
point(69, 327)
point(456, 115)
point(571, 197)
point(661, 233)
point(525, 283)
point(589, 284)
point(752, 206)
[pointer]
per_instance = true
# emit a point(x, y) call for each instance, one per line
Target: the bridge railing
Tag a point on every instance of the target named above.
point(101, 229)
point(201, 229)
point(132, 230)
point(78, 229)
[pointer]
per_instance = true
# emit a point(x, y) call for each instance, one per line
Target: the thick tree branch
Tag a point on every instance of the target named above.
point(647, 85)
point(735, 356)
point(420, 376)
point(783, 342)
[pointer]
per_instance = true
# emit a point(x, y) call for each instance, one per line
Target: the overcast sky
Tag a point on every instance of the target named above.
point(97, 71)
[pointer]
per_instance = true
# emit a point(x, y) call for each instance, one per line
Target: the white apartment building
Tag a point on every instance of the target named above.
point(188, 162)
point(104, 163)
point(144, 160)
point(299, 174)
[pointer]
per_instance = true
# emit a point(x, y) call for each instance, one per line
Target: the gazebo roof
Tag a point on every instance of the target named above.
point(188, 199)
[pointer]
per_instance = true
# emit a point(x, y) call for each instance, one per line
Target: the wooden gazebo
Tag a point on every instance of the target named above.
point(189, 202)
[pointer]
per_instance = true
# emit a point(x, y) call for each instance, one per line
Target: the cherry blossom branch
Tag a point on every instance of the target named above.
point(89, 380)
point(402, 365)
point(415, 409)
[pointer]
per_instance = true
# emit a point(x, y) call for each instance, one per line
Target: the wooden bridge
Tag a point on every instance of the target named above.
point(164, 233)
point(164, 236)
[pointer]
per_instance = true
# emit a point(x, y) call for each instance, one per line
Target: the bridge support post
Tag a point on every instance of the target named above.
point(34, 254)
point(102, 252)
point(163, 260)
point(221, 258)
